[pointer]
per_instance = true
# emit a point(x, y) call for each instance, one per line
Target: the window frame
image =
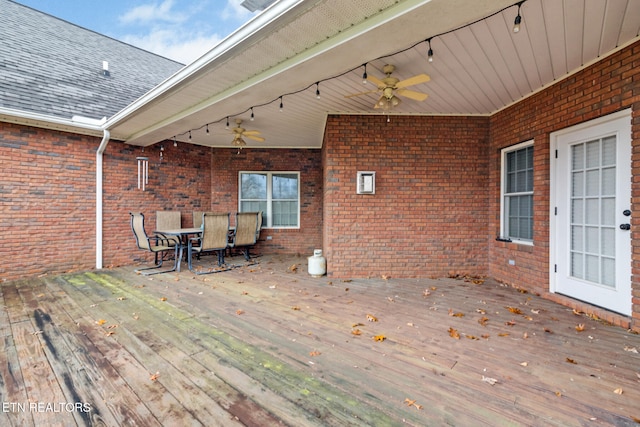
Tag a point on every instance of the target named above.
point(504, 196)
point(268, 214)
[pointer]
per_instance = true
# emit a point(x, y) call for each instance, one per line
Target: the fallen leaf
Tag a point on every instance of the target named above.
point(379, 338)
point(477, 281)
point(580, 327)
point(570, 360)
point(293, 268)
point(524, 364)
point(371, 318)
point(510, 322)
point(491, 381)
point(547, 330)
point(108, 334)
point(558, 394)
point(391, 299)
point(163, 299)
point(483, 320)
point(618, 391)
point(485, 336)
point(385, 277)
point(503, 334)
point(410, 402)
point(245, 293)
point(481, 310)
point(525, 335)
point(112, 326)
point(577, 312)
point(514, 310)
point(455, 314)
point(296, 308)
point(121, 298)
point(101, 322)
point(426, 293)
point(410, 324)
point(314, 353)
point(238, 312)
point(630, 349)
point(471, 337)
point(356, 332)
point(355, 325)
point(155, 376)
point(535, 311)
point(453, 333)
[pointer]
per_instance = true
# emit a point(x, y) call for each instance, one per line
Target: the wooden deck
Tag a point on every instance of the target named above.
point(268, 345)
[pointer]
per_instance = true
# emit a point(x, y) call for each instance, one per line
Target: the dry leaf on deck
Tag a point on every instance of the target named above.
point(481, 311)
point(514, 310)
point(101, 321)
point(426, 293)
point(355, 325)
point(155, 376)
point(524, 364)
point(491, 381)
point(239, 311)
point(385, 277)
point(503, 334)
point(453, 333)
point(577, 312)
point(570, 360)
point(314, 353)
point(121, 298)
point(471, 337)
point(356, 332)
point(379, 338)
point(547, 330)
point(163, 299)
point(580, 327)
point(108, 334)
point(293, 268)
point(455, 314)
point(245, 293)
point(371, 318)
point(559, 394)
point(510, 322)
point(411, 402)
point(296, 308)
point(483, 320)
point(630, 349)
point(618, 391)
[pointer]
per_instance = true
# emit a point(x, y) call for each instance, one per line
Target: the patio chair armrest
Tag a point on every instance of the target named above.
point(159, 237)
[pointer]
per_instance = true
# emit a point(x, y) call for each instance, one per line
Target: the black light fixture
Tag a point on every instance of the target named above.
point(175, 143)
point(364, 75)
point(281, 105)
point(227, 127)
point(189, 135)
point(518, 20)
point(207, 130)
point(252, 116)
point(317, 90)
point(430, 51)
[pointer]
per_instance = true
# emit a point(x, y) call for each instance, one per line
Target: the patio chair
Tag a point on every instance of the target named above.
point(197, 218)
point(169, 220)
point(156, 244)
point(214, 238)
point(246, 232)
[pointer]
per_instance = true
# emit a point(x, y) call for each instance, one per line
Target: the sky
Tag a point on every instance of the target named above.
point(182, 30)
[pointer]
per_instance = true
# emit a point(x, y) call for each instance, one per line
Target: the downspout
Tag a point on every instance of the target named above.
point(99, 155)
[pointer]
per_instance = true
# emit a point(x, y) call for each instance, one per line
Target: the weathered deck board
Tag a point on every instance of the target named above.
point(265, 345)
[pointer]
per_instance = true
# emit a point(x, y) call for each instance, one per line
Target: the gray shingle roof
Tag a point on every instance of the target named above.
point(52, 67)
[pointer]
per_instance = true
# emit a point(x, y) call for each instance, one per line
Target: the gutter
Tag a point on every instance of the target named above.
point(99, 190)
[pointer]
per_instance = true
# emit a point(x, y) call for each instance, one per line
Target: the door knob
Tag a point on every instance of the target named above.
point(625, 226)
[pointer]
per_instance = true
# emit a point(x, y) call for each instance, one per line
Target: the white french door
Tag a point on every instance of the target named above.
point(590, 241)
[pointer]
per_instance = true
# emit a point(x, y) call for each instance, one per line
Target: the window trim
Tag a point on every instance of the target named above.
point(503, 184)
point(269, 213)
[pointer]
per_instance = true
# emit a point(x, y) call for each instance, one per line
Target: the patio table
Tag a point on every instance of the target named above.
point(183, 236)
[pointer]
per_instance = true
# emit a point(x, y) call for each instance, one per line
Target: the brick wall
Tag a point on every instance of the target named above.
point(48, 198)
point(227, 163)
point(428, 216)
point(610, 85)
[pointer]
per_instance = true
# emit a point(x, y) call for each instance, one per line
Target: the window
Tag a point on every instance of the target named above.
point(276, 194)
point(517, 193)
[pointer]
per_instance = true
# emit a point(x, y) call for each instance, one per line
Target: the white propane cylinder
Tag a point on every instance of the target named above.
point(317, 264)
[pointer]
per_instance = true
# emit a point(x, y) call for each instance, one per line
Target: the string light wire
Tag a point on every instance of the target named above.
point(516, 29)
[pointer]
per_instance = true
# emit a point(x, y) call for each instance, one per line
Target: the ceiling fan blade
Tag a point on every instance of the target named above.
point(251, 132)
point(412, 94)
point(361, 93)
point(376, 81)
point(417, 79)
point(255, 138)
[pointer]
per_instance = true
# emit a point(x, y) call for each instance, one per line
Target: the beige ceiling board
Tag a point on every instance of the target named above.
point(477, 69)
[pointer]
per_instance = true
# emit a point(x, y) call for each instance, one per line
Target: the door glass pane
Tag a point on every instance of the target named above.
point(593, 231)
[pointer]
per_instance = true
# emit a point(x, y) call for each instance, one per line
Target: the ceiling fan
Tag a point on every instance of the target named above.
point(391, 88)
point(239, 132)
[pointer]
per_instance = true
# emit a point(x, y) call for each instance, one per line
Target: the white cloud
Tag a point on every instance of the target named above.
point(153, 12)
point(182, 30)
point(167, 44)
